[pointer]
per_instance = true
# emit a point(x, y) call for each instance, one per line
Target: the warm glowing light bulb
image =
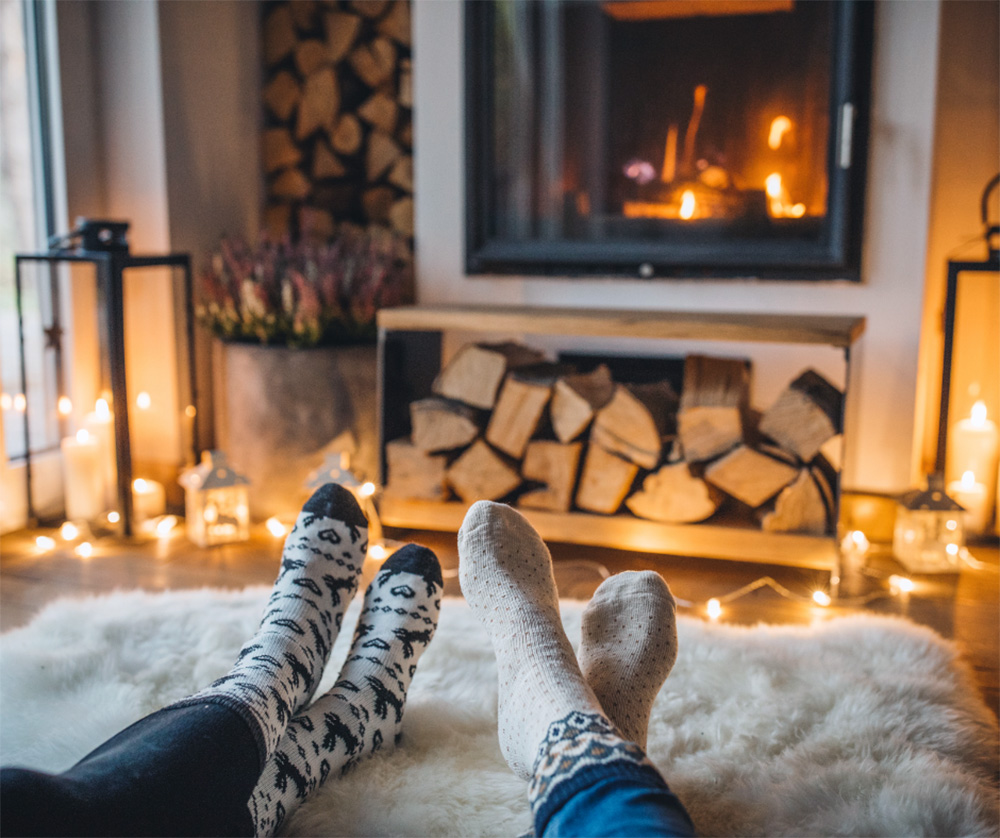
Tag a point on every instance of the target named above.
point(951, 524)
point(772, 184)
point(900, 584)
point(859, 540)
point(101, 409)
point(114, 517)
point(43, 542)
point(979, 414)
point(951, 549)
point(714, 608)
point(143, 401)
point(190, 411)
point(821, 598)
point(84, 550)
point(687, 205)
point(166, 525)
point(69, 531)
point(211, 514)
point(20, 403)
point(780, 126)
point(64, 406)
point(377, 552)
point(367, 489)
point(275, 527)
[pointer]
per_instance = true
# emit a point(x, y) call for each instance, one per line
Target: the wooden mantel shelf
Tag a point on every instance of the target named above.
point(833, 330)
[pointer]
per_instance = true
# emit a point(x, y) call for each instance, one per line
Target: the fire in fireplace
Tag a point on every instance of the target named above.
point(687, 137)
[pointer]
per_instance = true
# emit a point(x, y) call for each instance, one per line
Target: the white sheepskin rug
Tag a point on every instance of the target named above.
point(853, 726)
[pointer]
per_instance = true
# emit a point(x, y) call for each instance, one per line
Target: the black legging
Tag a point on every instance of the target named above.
point(181, 771)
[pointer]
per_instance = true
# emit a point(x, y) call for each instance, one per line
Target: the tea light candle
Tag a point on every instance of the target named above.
point(83, 480)
point(148, 499)
point(973, 446)
point(973, 498)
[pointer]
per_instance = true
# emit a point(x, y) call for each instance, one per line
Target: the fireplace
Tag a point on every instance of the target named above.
point(680, 138)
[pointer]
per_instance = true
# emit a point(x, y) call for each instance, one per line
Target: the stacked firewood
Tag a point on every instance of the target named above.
point(504, 424)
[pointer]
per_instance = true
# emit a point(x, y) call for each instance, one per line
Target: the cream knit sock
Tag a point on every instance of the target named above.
point(628, 646)
point(506, 575)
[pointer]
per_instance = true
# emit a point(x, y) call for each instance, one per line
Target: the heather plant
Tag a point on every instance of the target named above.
point(303, 294)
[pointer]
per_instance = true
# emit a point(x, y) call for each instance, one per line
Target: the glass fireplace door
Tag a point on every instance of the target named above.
point(674, 138)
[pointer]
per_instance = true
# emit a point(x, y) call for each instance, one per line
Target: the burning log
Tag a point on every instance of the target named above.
point(481, 474)
point(413, 473)
point(805, 415)
point(555, 465)
point(575, 399)
point(713, 398)
point(442, 425)
point(749, 476)
point(675, 496)
point(474, 375)
point(605, 481)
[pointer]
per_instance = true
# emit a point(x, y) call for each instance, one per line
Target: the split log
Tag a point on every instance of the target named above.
point(441, 425)
point(374, 62)
point(369, 8)
point(575, 399)
point(675, 496)
point(291, 183)
point(405, 95)
point(341, 30)
point(832, 451)
point(396, 24)
point(555, 465)
point(605, 481)
point(346, 136)
point(518, 411)
point(713, 397)
point(381, 111)
point(401, 216)
point(749, 476)
point(320, 103)
point(315, 224)
point(277, 219)
point(402, 173)
point(481, 474)
point(376, 203)
point(279, 34)
point(282, 95)
point(280, 150)
point(474, 375)
point(633, 422)
point(411, 473)
point(805, 415)
point(382, 153)
point(304, 13)
point(798, 508)
point(325, 163)
point(310, 55)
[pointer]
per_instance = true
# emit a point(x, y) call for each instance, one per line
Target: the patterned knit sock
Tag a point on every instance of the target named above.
point(363, 711)
point(628, 646)
point(506, 576)
point(278, 670)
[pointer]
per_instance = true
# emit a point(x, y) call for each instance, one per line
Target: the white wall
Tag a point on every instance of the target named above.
point(880, 420)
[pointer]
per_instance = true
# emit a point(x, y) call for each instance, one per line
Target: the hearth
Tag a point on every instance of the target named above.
point(667, 138)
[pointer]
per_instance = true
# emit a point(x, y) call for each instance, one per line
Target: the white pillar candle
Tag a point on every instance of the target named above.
point(148, 499)
point(100, 425)
point(973, 498)
point(83, 478)
point(972, 446)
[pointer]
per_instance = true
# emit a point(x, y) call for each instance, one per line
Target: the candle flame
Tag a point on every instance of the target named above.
point(968, 479)
point(143, 401)
point(772, 183)
point(20, 403)
point(139, 485)
point(114, 517)
point(687, 205)
point(901, 584)
point(83, 436)
point(64, 406)
point(101, 409)
point(166, 525)
point(84, 550)
point(979, 414)
point(43, 542)
point(68, 531)
point(780, 126)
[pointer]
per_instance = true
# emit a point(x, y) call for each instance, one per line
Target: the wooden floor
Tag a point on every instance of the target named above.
point(963, 608)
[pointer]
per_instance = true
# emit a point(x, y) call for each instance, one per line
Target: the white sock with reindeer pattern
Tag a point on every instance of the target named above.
point(278, 670)
point(363, 712)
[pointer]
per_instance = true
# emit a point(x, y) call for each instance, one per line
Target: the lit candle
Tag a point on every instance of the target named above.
point(972, 496)
point(972, 446)
point(148, 499)
point(99, 425)
point(83, 479)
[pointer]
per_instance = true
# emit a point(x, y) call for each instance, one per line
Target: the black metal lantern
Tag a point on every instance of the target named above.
point(104, 244)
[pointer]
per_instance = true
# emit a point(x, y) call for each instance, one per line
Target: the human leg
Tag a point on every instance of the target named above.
point(190, 768)
point(363, 712)
point(552, 728)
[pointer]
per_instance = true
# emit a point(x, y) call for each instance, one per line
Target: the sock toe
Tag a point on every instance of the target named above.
point(418, 560)
point(334, 501)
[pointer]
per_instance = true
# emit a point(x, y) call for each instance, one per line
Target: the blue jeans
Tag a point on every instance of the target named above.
point(616, 798)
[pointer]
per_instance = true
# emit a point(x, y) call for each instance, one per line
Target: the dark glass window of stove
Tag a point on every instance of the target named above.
point(691, 138)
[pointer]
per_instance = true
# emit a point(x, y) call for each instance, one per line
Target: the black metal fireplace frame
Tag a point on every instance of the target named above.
point(836, 256)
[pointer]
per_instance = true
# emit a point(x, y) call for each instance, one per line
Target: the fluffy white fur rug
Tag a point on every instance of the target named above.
point(855, 726)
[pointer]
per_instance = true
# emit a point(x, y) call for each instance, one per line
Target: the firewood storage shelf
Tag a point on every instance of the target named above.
point(410, 344)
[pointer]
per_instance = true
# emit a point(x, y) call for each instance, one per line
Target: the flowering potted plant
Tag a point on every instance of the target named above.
point(303, 294)
point(295, 364)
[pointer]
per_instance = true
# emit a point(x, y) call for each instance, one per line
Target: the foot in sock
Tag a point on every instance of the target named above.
point(363, 711)
point(278, 670)
point(628, 646)
point(506, 575)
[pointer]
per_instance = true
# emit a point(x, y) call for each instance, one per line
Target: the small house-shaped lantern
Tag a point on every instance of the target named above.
point(929, 533)
point(216, 502)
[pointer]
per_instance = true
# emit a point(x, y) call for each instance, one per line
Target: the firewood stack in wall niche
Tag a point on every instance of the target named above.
point(338, 121)
point(503, 423)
